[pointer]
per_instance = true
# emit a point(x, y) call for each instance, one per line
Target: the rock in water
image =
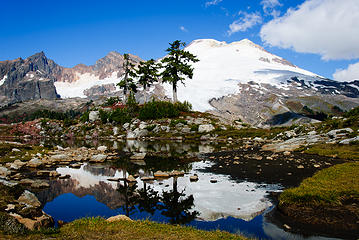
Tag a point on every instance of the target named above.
point(98, 158)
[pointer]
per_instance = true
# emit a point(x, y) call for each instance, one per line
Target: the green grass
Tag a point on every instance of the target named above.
point(25, 154)
point(332, 186)
point(98, 228)
point(350, 151)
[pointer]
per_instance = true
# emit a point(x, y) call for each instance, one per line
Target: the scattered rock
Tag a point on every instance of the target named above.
point(16, 150)
point(316, 165)
point(300, 167)
point(115, 131)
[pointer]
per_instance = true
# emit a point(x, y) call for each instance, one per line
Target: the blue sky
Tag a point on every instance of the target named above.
point(73, 32)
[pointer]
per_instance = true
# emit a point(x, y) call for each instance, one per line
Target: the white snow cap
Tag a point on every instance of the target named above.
point(223, 65)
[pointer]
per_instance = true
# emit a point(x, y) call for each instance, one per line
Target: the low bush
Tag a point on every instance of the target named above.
point(162, 109)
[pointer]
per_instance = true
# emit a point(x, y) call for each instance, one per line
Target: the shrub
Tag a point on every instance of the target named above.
point(111, 101)
point(195, 127)
point(85, 117)
point(162, 109)
point(120, 116)
point(183, 107)
point(103, 116)
point(150, 128)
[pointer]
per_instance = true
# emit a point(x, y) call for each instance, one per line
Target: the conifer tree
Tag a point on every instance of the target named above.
point(127, 83)
point(177, 65)
point(148, 74)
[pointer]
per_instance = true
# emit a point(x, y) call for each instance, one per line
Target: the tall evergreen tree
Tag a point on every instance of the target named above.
point(127, 83)
point(177, 65)
point(148, 74)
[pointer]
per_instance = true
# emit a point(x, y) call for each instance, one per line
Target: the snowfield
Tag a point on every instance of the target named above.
point(222, 66)
point(85, 81)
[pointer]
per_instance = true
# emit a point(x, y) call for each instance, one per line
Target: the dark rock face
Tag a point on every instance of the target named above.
point(29, 79)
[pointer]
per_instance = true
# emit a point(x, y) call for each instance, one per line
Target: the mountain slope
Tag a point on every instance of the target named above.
point(242, 80)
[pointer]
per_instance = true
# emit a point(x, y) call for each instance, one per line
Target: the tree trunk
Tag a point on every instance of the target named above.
point(144, 95)
point(175, 93)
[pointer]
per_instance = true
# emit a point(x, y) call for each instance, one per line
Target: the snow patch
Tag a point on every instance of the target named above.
point(2, 81)
point(85, 81)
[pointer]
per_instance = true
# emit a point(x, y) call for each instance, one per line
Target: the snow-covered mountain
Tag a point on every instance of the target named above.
point(233, 80)
point(243, 80)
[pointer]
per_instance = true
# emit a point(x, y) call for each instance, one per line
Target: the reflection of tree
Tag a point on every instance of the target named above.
point(131, 196)
point(176, 206)
point(148, 199)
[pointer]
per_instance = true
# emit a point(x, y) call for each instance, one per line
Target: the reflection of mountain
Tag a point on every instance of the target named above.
point(103, 192)
point(100, 170)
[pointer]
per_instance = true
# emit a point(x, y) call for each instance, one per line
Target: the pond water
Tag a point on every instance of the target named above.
point(215, 201)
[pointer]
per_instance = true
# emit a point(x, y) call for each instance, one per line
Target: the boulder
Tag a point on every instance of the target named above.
point(59, 157)
point(29, 198)
point(131, 179)
point(186, 130)
point(98, 158)
point(205, 128)
point(165, 128)
point(35, 224)
point(115, 131)
point(17, 164)
point(118, 218)
point(4, 172)
point(138, 156)
point(193, 178)
point(34, 163)
point(349, 140)
point(16, 150)
point(160, 174)
point(94, 116)
point(335, 132)
point(102, 148)
point(126, 126)
point(176, 173)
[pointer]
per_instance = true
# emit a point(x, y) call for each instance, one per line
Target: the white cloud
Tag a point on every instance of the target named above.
point(183, 29)
point(269, 7)
point(325, 27)
point(347, 75)
point(213, 2)
point(246, 21)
